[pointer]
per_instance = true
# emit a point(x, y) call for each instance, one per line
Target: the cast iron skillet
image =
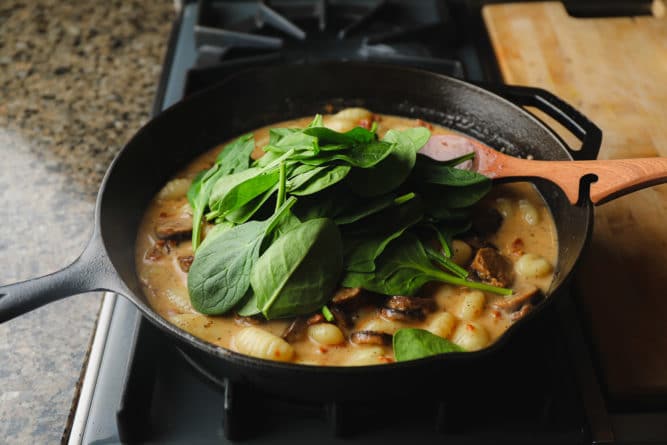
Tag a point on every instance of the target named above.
point(257, 98)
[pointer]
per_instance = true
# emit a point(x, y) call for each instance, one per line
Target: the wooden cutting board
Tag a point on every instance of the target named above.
point(614, 70)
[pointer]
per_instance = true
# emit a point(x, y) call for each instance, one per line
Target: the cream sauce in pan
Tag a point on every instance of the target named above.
point(527, 237)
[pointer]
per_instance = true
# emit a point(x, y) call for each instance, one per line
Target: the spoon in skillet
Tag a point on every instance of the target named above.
point(615, 177)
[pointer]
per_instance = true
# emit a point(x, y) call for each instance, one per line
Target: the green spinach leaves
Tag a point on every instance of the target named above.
point(364, 203)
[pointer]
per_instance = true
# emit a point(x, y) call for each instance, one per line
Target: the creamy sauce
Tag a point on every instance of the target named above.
point(526, 218)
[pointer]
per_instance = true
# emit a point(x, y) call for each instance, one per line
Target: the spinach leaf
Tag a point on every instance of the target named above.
point(298, 273)
point(360, 209)
point(362, 156)
point(234, 157)
point(248, 210)
point(395, 168)
point(367, 245)
point(301, 143)
point(327, 136)
point(440, 173)
point(413, 344)
point(220, 273)
point(233, 191)
point(403, 268)
point(247, 307)
point(302, 174)
point(195, 188)
point(322, 179)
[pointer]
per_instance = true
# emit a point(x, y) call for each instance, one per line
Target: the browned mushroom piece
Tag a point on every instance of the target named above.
point(513, 302)
point(403, 303)
point(296, 330)
point(396, 315)
point(345, 295)
point(315, 318)
point(371, 338)
point(525, 309)
point(158, 250)
point(184, 262)
point(176, 227)
point(492, 267)
point(341, 318)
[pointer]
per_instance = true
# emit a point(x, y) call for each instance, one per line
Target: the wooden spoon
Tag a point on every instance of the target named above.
point(609, 178)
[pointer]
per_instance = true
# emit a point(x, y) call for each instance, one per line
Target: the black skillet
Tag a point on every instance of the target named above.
point(257, 98)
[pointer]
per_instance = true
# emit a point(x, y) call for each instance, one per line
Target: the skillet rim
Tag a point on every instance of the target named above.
point(270, 365)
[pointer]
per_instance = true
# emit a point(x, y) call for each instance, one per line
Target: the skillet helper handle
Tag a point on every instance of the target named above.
point(92, 271)
point(578, 124)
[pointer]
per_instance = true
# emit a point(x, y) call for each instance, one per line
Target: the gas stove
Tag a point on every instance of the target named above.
point(138, 387)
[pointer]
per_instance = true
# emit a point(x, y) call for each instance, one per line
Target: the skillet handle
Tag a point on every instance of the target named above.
point(579, 125)
point(92, 271)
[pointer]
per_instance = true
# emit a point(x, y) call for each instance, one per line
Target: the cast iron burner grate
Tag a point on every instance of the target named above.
point(231, 35)
point(528, 397)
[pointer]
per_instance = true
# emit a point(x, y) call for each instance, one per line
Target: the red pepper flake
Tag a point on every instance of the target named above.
point(386, 359)
point(470, 327)
point(517, 247)
point(277, 353)
point(323, 350)
point(495, 315)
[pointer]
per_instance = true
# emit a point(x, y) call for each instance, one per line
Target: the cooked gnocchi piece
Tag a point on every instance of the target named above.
point(262, 344)
point(472, 305)
point(529, 212)
point(530, 265)
point(470, 336)
point(174, 189)
point(461, 252)
point(326, 334)
point(442, 324)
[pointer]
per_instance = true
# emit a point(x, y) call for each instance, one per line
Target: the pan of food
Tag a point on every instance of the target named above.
point(317, 230)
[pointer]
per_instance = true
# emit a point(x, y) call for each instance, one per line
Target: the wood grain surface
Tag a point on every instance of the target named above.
point(615, 71)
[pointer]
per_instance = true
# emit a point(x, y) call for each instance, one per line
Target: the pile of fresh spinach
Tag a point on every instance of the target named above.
point(322, 209)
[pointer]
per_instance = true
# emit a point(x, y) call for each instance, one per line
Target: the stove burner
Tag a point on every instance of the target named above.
point(254, 33)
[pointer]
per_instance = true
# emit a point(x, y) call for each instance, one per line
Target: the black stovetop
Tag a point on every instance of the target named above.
point(146, 390)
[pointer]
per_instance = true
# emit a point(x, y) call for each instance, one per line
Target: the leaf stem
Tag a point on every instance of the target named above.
point(281, 185)
point(445, 262)
point(451, 279)
point(404, 198)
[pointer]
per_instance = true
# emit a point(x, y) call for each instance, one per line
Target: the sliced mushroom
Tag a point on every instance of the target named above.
point(295, 331)
point(370, 338)
point(492, 267)
point(178, 227)
point(513, 302)
point(521, 312)
point(346, 294)
point(396, 315)
point(403, 303)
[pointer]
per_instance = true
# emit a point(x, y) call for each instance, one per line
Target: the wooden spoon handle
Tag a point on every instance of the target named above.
point(615, 178)
point(608, 179)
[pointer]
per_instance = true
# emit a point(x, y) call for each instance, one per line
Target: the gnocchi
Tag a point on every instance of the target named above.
point(442, 324)
point(259, 343)
point(325, 334)
point(529, 212)
point(530, 265)
point(174, 189)
point(461, 252)
point(470, 336)
point(366, 355)
point(472, 305)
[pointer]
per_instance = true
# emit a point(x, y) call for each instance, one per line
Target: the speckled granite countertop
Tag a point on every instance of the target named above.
point(77, 79)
